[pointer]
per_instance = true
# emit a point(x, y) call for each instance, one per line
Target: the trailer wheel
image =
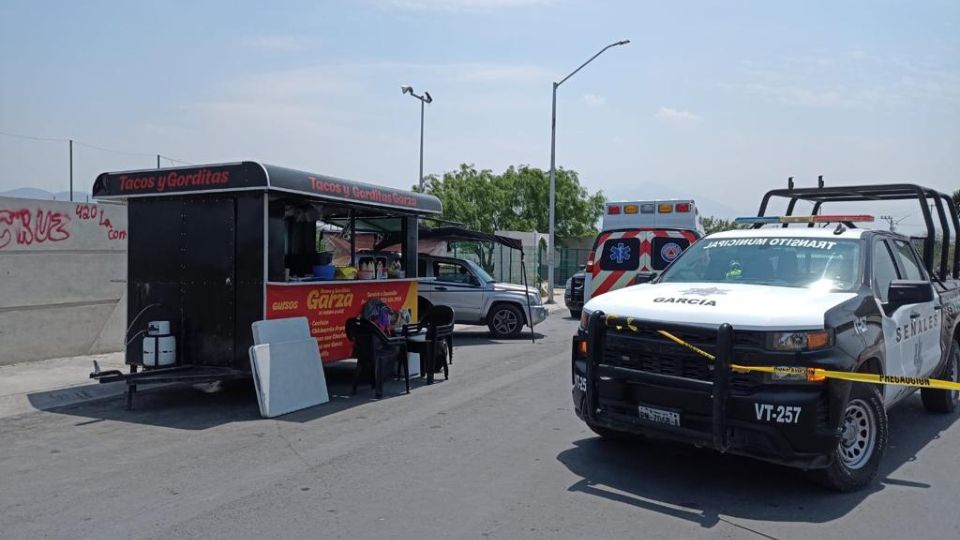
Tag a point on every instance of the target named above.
point(862, 442)
point(944, 401)
point(505, 321)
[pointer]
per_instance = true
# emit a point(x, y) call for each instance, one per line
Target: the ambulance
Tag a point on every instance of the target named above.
point(637, 240)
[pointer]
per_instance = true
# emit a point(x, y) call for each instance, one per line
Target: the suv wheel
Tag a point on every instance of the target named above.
point(862, 442)
point(944, 401)
point(505, 321)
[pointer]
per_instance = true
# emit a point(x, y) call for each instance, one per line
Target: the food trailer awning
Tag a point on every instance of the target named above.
point(453, 234)
point(249, 175)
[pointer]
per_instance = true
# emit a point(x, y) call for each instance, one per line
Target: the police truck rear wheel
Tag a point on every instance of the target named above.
point(944, 401)
point(862, 442)
point(505, 321)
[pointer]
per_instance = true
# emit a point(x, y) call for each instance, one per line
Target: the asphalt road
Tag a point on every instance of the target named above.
point(495, 452)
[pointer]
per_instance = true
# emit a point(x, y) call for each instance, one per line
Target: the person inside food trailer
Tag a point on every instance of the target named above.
point(326, 277)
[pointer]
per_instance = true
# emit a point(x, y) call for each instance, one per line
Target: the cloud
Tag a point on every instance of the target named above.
point(675, 115)
point(279, 43)
point(594, 100)
point(464, 5)
point(855, 80)
point(491, 72)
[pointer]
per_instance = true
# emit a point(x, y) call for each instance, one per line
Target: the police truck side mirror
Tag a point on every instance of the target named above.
point(903, 292)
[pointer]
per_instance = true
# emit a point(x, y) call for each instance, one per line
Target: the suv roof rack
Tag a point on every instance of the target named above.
point(946, 211)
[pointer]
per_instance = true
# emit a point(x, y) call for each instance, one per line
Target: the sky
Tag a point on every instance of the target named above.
point(714, 100)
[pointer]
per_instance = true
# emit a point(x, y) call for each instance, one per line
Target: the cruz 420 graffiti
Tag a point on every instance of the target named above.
point(87, 212)
point(24, 227)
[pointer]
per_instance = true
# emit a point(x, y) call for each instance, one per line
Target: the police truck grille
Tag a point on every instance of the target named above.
point(643, 349)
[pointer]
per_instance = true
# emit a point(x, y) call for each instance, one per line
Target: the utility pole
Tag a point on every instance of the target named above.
point(891, 226)
point(893, 222)
point(158, 161)
point(71, 170)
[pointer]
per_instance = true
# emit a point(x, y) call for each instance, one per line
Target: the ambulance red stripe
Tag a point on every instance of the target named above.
point(614, 275)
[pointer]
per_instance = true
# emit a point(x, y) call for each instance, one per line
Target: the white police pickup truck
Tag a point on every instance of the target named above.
point(835, 297)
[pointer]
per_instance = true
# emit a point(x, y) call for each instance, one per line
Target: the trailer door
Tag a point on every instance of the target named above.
point(207, 280)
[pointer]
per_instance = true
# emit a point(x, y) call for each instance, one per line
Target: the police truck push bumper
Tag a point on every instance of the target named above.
point(791, 425)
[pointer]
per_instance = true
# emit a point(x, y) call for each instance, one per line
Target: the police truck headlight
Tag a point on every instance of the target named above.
point(584, 319)
point(799, 341)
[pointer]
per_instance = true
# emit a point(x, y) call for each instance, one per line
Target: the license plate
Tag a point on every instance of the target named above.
point(659, 416)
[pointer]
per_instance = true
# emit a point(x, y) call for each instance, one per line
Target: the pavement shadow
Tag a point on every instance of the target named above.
point(469, 338)
point(181, 406)
point(703, 486)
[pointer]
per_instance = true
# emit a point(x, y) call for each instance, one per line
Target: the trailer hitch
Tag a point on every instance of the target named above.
point(98, 374)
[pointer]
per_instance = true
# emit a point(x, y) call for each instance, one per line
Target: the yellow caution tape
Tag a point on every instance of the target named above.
point(819, 374)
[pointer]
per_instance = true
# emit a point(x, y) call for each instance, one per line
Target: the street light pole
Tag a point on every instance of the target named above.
point(424, 99)
point(553, 170)
point(422, 106)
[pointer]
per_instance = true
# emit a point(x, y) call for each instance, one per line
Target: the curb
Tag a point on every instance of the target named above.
point(48, 400)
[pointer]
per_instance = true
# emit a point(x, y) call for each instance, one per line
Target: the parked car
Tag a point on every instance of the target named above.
point(476, 298)
point(573, 293)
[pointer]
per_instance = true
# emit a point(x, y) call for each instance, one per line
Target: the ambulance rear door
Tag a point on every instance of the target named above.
point(618, 256)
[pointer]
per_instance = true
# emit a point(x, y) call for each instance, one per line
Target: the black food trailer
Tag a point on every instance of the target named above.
point(213, 248)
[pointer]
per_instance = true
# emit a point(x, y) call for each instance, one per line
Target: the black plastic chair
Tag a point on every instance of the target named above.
point(438, 323)
point(375, 351)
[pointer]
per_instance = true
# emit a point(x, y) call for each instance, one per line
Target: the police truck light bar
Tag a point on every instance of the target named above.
point(837, 218)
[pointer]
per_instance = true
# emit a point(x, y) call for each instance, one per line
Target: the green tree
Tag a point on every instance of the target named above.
point(518, 199)
point(577, 210)
point(714, 224)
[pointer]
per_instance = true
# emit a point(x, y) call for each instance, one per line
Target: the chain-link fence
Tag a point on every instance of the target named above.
point(504, 264)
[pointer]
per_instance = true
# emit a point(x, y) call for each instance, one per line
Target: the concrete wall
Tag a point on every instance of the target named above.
point(506, 261)
point(63, 269)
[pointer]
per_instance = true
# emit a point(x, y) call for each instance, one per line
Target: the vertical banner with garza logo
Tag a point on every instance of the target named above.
point(328, 306)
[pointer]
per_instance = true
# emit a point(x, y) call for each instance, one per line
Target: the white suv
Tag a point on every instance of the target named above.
point(476, 298)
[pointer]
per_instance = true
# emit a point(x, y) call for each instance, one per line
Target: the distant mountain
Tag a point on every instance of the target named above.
point(44, 195)
point(708, 206)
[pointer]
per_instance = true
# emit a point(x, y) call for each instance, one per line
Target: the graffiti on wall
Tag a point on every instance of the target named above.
point(24, 227)
point(88, 212)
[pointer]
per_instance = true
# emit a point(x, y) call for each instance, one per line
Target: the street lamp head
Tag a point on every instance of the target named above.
point(624, 42)
point(427, 98)
point(406, 89)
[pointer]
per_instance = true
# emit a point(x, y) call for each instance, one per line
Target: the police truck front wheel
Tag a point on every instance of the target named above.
point(863, 439)
point(506, 321)
point(944, 401)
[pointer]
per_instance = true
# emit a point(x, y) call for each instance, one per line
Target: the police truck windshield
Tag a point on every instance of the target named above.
point(826, 264)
